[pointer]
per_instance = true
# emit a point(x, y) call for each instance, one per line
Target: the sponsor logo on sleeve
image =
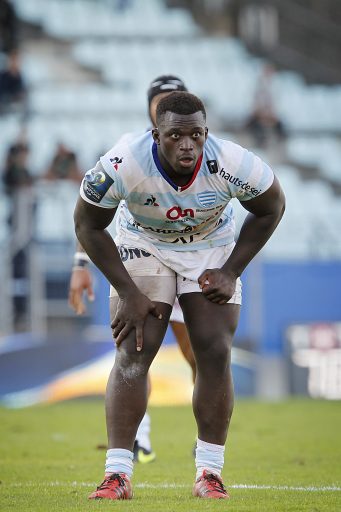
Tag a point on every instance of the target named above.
point(96, 184)
point(244, 186)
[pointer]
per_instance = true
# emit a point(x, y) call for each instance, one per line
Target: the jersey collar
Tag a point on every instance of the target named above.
point(165, 175)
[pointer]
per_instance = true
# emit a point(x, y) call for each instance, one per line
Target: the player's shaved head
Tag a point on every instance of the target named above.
point(182, 103)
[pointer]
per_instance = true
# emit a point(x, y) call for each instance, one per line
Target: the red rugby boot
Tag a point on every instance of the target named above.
point(210, 485)
point(114, 487)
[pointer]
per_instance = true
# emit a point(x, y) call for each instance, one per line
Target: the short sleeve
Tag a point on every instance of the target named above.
point(95, 186)
point(254, 177)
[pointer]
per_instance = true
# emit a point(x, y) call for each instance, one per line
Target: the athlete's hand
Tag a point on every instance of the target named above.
point(132, 312)
point(80, 282)
point(217, 286)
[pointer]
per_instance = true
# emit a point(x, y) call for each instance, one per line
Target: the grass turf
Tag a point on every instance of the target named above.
point(51, 459)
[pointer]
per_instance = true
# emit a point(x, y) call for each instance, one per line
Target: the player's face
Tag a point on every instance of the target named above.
point(181, 139)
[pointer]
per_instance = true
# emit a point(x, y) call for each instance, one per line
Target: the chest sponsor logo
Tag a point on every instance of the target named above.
point(207, 198)
point(116, 161)
point(176, 213)
point(212, 166)
point(96, 184)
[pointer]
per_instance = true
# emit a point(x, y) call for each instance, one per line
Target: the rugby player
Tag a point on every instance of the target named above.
point(81, 278)
point(184, 247)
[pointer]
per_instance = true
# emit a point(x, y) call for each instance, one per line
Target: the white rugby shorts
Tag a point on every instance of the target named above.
point(163, 275)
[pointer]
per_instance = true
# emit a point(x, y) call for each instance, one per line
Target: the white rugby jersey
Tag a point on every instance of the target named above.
point(191, 217)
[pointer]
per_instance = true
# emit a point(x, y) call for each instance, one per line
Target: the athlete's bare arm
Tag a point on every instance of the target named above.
point(90, 225)
point(265, 213)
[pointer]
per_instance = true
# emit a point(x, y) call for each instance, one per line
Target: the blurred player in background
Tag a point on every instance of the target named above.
point(81, 278)
point(187, 248)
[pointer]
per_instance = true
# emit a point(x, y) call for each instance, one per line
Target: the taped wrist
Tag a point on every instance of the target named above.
point(80, 260)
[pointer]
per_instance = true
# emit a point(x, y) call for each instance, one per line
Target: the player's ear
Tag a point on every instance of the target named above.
point(206, 132)
point(156, 135)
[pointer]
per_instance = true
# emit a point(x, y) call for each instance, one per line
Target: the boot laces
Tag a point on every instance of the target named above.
point(215, 482)
point(114, 480)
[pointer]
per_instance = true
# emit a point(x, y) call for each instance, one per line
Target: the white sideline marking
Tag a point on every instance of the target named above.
point(165, 485)
point(310, 488)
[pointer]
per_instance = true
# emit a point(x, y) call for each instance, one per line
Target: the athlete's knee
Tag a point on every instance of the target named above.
point(132, 365)
point(220, 358)
point(216, 353)
point(213, 346)
point(128, 350)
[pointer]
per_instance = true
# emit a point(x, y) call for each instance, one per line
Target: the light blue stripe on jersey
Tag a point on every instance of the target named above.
point(267, 173)
point(246, 166)
point(142, 153)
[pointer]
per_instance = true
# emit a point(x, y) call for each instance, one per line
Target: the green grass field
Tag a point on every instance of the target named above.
point(51, 459)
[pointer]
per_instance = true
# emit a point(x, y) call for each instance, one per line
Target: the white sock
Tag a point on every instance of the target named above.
point(209, 457)
point(119, 460)
point(143, 433)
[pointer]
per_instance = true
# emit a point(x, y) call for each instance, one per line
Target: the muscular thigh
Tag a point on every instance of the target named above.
point(209, 324)
point(160, 289)
point(152, 277)
point(153, 332)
